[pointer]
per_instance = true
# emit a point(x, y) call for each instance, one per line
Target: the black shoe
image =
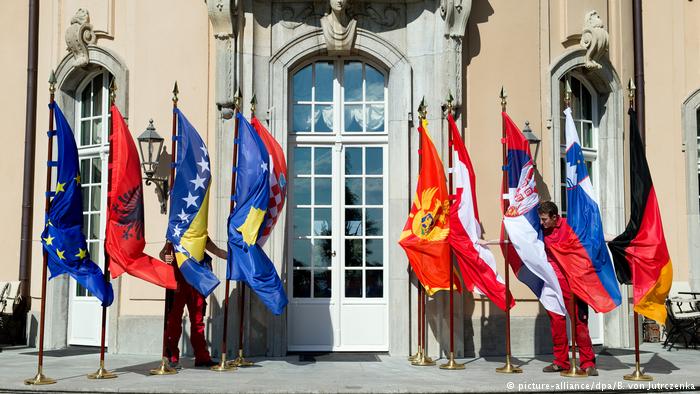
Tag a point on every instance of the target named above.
point(591, 371)
point(552, 368)
point(206, 363)
point(175, 365)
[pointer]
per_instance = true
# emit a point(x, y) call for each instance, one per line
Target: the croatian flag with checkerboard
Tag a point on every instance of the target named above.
point(278, 179)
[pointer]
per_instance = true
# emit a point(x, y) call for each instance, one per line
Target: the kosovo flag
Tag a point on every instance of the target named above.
point(63, 237)
point(246, 260)
point(189, 208)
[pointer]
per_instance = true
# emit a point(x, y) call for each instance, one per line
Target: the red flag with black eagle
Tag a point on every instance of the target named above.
point(124, 239)
point(640, 254)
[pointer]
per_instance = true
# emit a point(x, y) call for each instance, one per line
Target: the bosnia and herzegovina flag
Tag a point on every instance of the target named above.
point(640, 253)
point(246, 259)
point(124, 235)
point(189, 208)
point(476, 262)
point(583, 255)
point(424, 237)
point(278, 179)
point(63, 238)
point(525, 251)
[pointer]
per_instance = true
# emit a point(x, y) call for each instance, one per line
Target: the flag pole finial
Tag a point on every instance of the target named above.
point(237, 99)
point(176, 91)
point(449, 106)
point(253, 103)
point(422, 109)
point(632, 92)
point(504, 101)
point(52, 82)
point(567, 93)
point(112, 91)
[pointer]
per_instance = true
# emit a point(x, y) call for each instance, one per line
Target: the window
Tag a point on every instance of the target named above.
point(583, 108)
point(91, 130)
point(361, 89)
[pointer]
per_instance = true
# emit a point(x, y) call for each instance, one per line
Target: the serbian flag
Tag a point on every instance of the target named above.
point(476, 262)
point(640, 253)
point(581, 252)
point(424, 237)
point(278, 179)
point(525, 251)
point(124, 240)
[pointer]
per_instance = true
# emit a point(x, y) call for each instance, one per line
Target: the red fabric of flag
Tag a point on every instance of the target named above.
point(424, 237)
point(124, 240)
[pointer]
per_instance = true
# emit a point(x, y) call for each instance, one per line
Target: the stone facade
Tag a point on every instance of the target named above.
point(428, 49)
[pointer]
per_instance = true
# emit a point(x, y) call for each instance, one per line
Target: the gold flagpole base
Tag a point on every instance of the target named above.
point(102, 373)
point(423, 360)
point(451, 364)
point(224, 365)
point(509, 367)
point(416, 356)
point(240, 361)
point(164, 369)
point(39, 379)
point(638, 375)
point(574, 371)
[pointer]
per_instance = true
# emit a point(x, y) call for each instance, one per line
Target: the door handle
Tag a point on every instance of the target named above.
point(333, 254)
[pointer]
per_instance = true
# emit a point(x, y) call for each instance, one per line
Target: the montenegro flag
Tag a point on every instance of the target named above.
point(640, 253)
point(424, 237)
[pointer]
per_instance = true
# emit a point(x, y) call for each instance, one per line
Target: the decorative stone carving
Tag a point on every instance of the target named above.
point(386, 17)
point(594, 39)
point(222, 14)
point(292, 18)
point(456, 15)
point(79, 35)
point(339, 29)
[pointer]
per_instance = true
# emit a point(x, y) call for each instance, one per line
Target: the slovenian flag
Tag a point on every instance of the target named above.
point(525, 252)
point(189, 208)
point(583, 254)
point(476, 262)
point(640, 253)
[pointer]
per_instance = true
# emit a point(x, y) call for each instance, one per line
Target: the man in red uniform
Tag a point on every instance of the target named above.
point(551, 223)
point(196, 306)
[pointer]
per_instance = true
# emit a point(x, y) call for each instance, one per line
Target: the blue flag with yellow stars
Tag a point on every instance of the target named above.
point(63, 237)
point(189, 208)
point(246, 259)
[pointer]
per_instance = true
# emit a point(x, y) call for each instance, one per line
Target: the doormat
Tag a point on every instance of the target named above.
point(68, 351)
point(339, 357)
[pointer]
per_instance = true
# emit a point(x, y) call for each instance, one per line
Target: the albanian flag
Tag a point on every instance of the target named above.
point(124, 234)
point(424, 237)
point(476, 262)
point(640, 253)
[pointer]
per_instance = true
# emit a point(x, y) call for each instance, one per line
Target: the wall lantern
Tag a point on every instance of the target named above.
point(532, 139)
point(150, 148)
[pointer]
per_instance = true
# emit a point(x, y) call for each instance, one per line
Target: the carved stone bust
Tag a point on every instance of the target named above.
point(338, 28)
point(594, 39)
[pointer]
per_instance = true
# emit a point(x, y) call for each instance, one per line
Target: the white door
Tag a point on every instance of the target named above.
point(92, 120)
point(337, 209)
point(596, 326)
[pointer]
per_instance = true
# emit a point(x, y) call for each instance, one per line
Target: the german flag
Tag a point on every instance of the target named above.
point(640, 253)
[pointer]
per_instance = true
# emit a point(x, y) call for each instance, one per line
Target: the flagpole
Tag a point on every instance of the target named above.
point(637, 375)
point(227, 365)
point(419, 304)
point(164, 368)
point(40, 378)
point(508, 367)
point(451, 363)
point(574, 371)
point(240, 361)
point(101, 372)
point(423, 359)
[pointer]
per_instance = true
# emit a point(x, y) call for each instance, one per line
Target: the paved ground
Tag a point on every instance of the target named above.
point(677, 370)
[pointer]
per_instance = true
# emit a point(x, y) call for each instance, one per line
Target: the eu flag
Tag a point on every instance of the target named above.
point(189, 208)
point(246, 259)
point(63, 237)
